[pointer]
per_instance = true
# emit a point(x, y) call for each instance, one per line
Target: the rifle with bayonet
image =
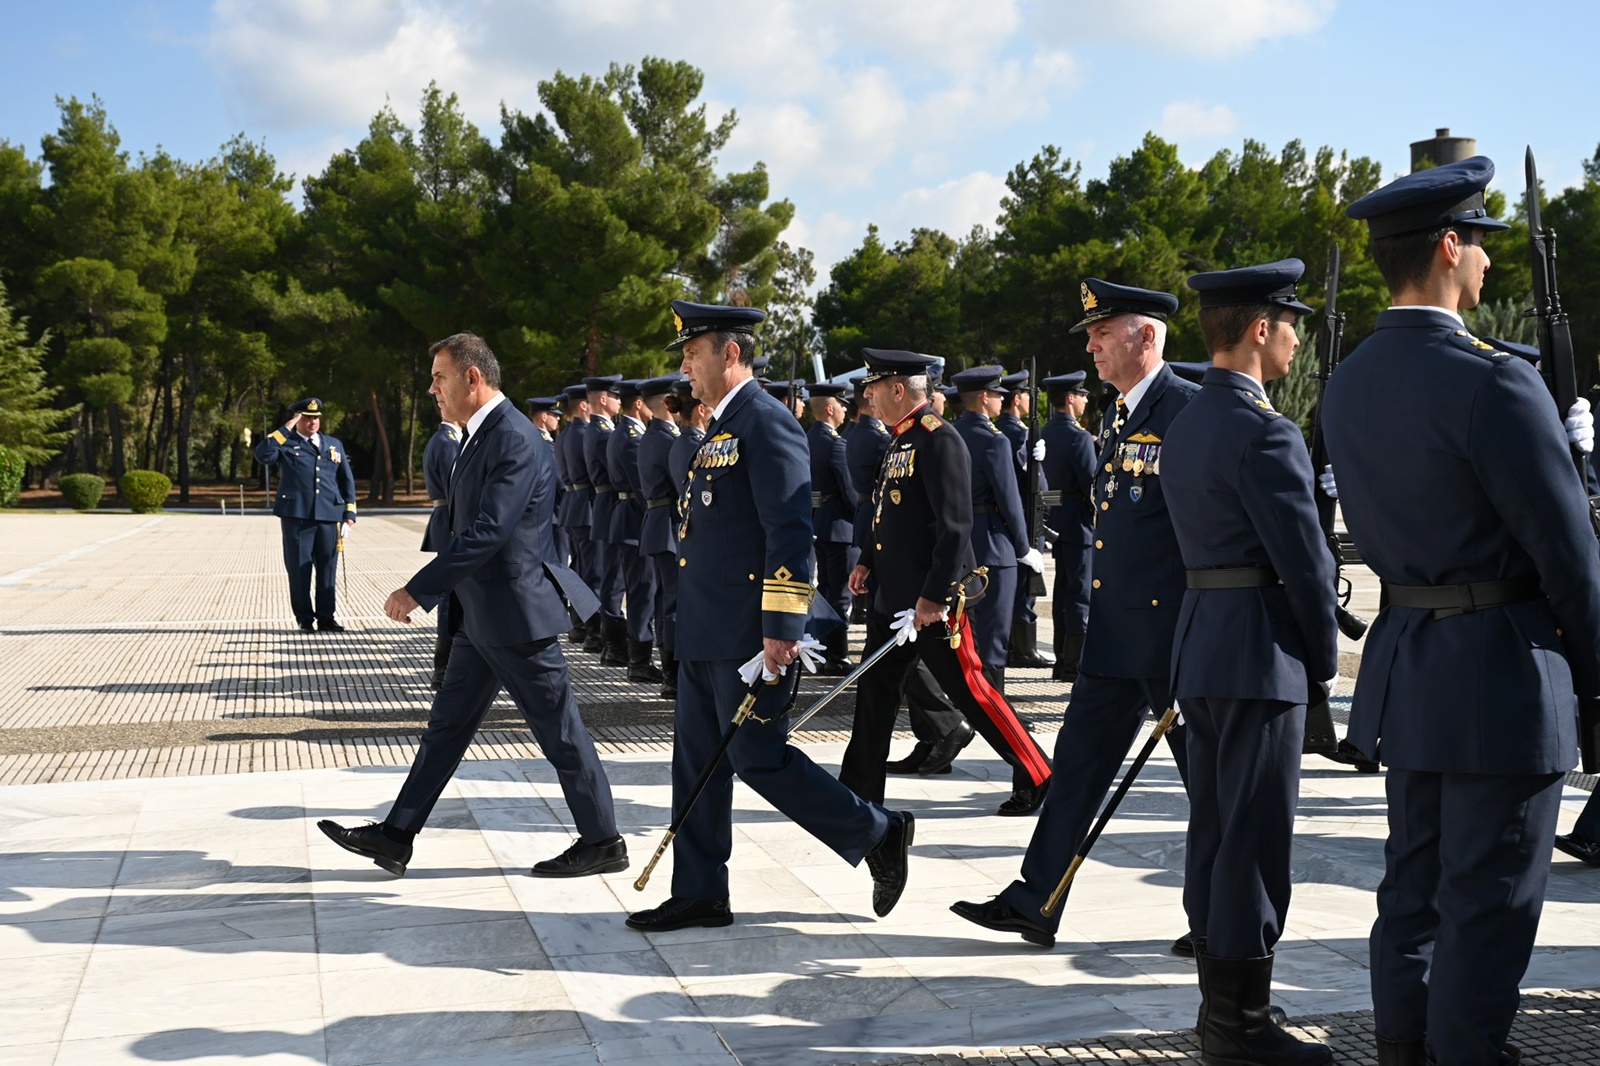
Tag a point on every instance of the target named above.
point(1559, 369)
point(1032, 483)
point(1321, 738)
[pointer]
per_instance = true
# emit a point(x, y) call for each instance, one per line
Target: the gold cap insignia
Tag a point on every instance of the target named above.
point(1090, 300)
point(677, 322)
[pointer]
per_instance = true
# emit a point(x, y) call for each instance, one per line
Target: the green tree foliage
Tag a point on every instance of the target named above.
point(900, 297)
point(1575, 217)
point(30, 426)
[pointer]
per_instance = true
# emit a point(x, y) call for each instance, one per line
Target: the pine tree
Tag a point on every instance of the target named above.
point(28, 424)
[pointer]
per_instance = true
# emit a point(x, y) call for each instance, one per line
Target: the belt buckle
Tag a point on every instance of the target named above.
point(1466, 604)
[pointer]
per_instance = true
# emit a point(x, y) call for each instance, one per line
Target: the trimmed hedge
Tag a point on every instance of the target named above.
point(145, 490)
point(11, 470)
point(83, 491)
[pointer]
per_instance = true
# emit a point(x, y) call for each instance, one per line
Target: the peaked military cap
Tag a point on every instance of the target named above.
point(605, 383)
point(858, 388)
point(543, 404)
point(780, 389)
point(1062, 383)
point(658, 386)
point(1270, 283)
point(979, 379)
point(683, 389)
point(629, 388)
point(889, 362)
point(834, 389)
point(1013, 382)
point(577, 392)
point(1190, 371)
point(1104, 299)
point(759, 364)
point(1451, 195)
point(310, 406)
point(695, 319)
point(1527, 351)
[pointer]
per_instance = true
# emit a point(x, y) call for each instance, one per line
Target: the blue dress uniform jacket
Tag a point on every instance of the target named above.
point(1238, 483)
point(622, 463)
point(578, 501)
point(596, 446)
point(1469, 438)
point(658, 488)
point(863, 453)
point(681, 458)
point(834, 517)
point(1069, 469)
point(999, 526)
point(315, 482)
point(437, 459)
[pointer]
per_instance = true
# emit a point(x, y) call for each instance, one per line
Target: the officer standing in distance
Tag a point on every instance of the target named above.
point(833, 503)
point(1456, 481)
point(1137, 589)
point(1069, 469)
point(1254, 644)
point(611, 636)
point(658, 531)
point(744, 599)
point(545, 414)
point(577, 504)
point(316, 492)
point(1016, 408)
point(438, 458)
point(638, 573)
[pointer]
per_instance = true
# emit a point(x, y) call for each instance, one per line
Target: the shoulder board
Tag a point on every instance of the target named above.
point(881, 430)
point(1144, 438)
point(1468, 342)
point(278, 437)
point(1266, 408)
point(452, 431)
point(829, 430)
point(633, 431)
point(931, 422)
point(672, 429)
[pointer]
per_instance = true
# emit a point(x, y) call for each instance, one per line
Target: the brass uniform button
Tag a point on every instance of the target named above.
point(752, 577)
point(1108, 468)
point(1099, 544)
point(1155, 603)
point(1096, 582)
point(1105, 505)
point(878, 547)
point(683, 562)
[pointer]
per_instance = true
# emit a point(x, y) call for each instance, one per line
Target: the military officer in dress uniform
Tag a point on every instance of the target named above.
point(638, 573)
point(1457, 482)
point(1069, 469)
point(1255, 643)
point(577, 503)
point(438, 458)
point(744, 597)
point(918, 551)
point(833, 502)
point(610, 638)
point(545, 414)
point(658, 531)
point(1137, 589)
point(316, 493)
point(692, 416)
point(1016, 407)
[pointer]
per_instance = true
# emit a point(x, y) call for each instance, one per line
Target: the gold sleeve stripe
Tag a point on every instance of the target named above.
point(788, 586)
point(350, 507)
point(279, 437)
point(784, 602)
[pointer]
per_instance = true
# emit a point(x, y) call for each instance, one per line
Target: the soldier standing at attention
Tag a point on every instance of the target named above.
point(638, 573)
point(545, 414)
point(316, 492)
point(833, 502)
point(658, 532)
point(1016, 407)
point(1069, 468)
point(692, 416)
point(744, 590)
point(1137, 589)
point(438, 458)
point(611, 634)
point(1457, 482)
point(1255, 642)
point(578, 502)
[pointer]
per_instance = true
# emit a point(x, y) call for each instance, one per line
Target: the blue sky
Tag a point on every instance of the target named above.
point(900, 112)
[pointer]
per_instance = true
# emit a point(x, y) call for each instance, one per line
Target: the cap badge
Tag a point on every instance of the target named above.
point(1090, 300)
point(677, 322)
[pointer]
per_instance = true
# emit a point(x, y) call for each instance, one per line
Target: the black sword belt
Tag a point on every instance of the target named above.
point(983, 508)
point(660, 501)
point(1446, 601)
point(1232, 577)
point(579, 486)
point(605, 488)
point(624, 495)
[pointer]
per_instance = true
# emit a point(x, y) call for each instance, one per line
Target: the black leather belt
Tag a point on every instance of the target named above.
point(1232, 577)
point(604, 488)
point(579, 486)
point(820, 498)
point(624, 495)
point(660, 501)
point(983, 508)
point(1051, 498)
point(1448, 600)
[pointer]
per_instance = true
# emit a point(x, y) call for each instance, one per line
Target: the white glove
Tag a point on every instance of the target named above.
point(1580, 426)
point(1033, 560)
point(905, 626)
point(346, 529)
point(757, 664)
point(1330, 488)
point(1038, 450)
point(811, 653)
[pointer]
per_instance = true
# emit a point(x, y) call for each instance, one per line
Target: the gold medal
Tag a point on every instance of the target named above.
point(1138, 467)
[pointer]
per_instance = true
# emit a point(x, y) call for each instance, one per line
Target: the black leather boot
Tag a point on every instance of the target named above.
point(615, 651)
point(997, 678)
point(1066, 667)
point(641, 668)
point(1025, 648)
point(594, 641)
point(441, 659)
point(669, 675)
point(1401, 1053)
point(1236, 1025)
point(578, 633)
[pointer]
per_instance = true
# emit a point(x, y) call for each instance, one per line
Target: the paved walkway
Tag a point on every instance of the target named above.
point(168, 911)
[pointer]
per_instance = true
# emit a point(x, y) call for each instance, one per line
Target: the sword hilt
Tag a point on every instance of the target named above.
point(981, 572)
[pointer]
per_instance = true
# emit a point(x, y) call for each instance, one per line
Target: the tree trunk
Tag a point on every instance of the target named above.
point(119, 458)
point(411, 435)
point(191, 370)
point(163, 455)
point(87, 453)
point(383, 470)
point(591, 345)
point(147, 446)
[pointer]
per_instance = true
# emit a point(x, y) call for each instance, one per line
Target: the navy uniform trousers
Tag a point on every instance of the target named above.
point(639, 583)
point(833, 585)
point(610, 573)
point(311, 545)
point(666, 600)
point(1102, 720)
point(709, 692)
point(535, 676)
point(994, 613)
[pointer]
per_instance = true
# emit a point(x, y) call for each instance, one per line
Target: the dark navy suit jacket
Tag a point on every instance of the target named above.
point(863, 453)
point(659, 532)
point(1139, 581)
point(1453, 468)
point(744, 547)
point(314, 480)
point(622, 461)
point(500, 564)
point(682, 457)
point(999, 526)
point(576, 504)
point(437, 459)
point(830, 476)
point(594, 459)
point(1238, 482)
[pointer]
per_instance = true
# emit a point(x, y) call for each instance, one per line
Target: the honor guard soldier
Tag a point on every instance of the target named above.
point(833, 509)
point(638, 573)
point(1254, 644)
point(1457, 483)
point(744, 590)
point(1069, 470)
point(692, 417)
point(918, 553)
point(658, 532)
point(316, 493)
point(611, 640)
point(999, 526)
point(577, 504)
point(792, 394)
point(1136, 592)
point(1022, 645)
point(545, 414)
point(438, 459)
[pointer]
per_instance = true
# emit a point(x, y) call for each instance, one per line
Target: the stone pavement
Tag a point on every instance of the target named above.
point(168, 906)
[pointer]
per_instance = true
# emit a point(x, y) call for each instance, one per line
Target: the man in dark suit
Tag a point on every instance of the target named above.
point(438, 458)
point(506, 594)
point(577, 503)
point(316, 493)
point(1137, 590)
point(1458, 484)
point(1069, 469)
point(744, 598)
point(833, 508)
point(1255, 641)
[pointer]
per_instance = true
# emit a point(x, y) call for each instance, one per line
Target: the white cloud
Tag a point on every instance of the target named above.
point(1211, 28)
point(954, 206)
point(1192, 119)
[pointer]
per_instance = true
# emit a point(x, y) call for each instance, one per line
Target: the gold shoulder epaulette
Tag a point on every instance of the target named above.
point(931, 422)
point(277, 435)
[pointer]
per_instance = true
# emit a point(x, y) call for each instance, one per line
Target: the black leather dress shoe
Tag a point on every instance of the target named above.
point(1351, 755)
point(1184, 946)
point(582, 859)
point(835, 668)
point(1579, 848)
point(911, 763)
point(307, 627)
point(328, 625)
point(1004, 918)
point(1024, 800)
point(678, 913)
point(369, 842)
point(890, 862)
point(944, 751)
